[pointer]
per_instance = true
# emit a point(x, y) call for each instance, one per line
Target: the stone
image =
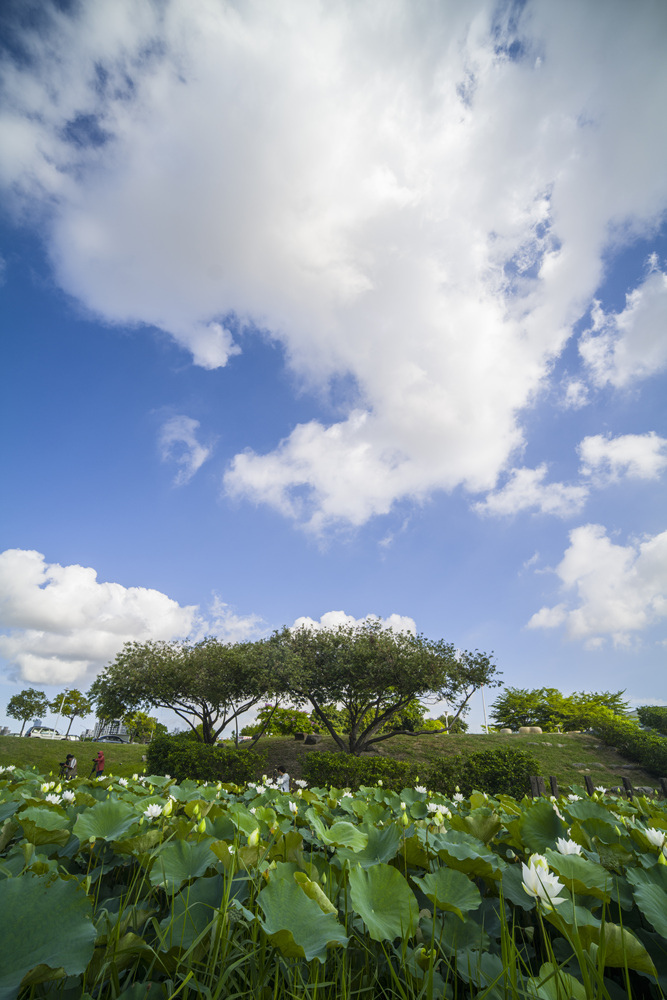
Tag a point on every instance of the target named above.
point(524, 730)
point(312, 738)
point(535, 729)
point(507, 732)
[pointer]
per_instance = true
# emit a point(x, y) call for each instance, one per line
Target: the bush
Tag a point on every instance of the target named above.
point(647, 749)
point(182, 757)
point(344, 770)
point(505, 771)
point(654, 716)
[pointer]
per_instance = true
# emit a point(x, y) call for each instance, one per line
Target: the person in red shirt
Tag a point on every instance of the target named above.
point(98, 764)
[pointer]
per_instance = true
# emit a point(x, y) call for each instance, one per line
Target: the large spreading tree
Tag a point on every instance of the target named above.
point(375, 674)
point(208, 684)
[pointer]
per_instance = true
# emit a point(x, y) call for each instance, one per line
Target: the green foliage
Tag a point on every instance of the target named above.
point(71, 704)
point(212, 682)
point(345, 771)
point(499, 772)
point(279, 722)
point(183, 757)
point(628, 738)
point(552, 710)
point(375, 675)
point(143, 727)
point(27, 704)
point(654, 716)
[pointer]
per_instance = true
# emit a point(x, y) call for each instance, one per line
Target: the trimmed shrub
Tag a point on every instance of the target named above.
point(647, 749)
point(505, 771)
point(344, 770)
point(182, 757)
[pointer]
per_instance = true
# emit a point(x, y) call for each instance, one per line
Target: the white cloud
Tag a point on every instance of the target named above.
point(622, 347)
point(526, 490)
point(60, 624)
point(617, 590)
point(339, 619)
point(179, 444)
point(637, 456)
point(229, 626)
point(575, 394)
point(379, 186)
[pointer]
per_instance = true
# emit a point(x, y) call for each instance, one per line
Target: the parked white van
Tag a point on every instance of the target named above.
point(44, 733)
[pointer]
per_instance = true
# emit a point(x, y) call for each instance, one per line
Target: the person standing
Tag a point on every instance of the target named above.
point(98, 764)
point(283, 778)
point(70, 766)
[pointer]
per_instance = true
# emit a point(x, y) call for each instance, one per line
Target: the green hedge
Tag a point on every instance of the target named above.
point(505, 771)
point(183, 758)
point(647, 749)
point(343, 770)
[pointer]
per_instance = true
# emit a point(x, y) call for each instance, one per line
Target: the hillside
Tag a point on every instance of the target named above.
point(569, 757)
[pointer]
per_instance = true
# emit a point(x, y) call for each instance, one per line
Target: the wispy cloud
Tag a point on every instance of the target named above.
point(179, 444)
point(526, 490)
point(635, 456)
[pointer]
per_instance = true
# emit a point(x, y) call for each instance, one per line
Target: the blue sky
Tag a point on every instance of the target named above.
point(321, 310)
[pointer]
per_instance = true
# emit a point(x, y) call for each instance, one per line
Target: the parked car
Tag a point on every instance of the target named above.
point(44, 733)
point(110, 739)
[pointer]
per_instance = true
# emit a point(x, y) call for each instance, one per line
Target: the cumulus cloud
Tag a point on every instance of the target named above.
point(179, 444)
point(526, 490)
point(637, 456)
point(228, 625)
point(416, 197)
point(339, 619)
point(616, 590)
point(59, 623)
point(622, 347)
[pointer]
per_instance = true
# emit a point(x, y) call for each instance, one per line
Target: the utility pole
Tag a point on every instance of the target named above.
point(486, 724)
point(60, 709)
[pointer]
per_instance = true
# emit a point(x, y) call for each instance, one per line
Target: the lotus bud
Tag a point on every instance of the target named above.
point(91, 840)
point(168, 807)
point(201, 826)
point(253, 839)
point(405, 819)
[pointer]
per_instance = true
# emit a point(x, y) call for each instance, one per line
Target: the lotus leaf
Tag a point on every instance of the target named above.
point(619, 947)
point(295, 923)
point(62, 936)
point(193, 911)
point(451, 890)
point(180, 860)
point(384, 901)
point(383, 844)
point(540, 827)
point(107, 820)
point(44, 826)
point(582, 876)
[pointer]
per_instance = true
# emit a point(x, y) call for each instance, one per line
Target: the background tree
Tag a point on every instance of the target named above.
point(274, 721)
point(654, 716)
point(374, 674)
point(552, 710)
point(70, 704)
point(209, 684)
point(27, 704)
point(142, 728)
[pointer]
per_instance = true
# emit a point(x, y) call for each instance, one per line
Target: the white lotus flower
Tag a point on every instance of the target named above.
point(601, 789)
point(252, 811)
point(539, 882)
point(433, 807)
point(420, 789)
point(68, 796)
point(403, 805)
point(48, 785)
point(301, 783)
point(346, 795)
point(7, 767)
point(153, 811)
point(574, 798)
point(53, 799)
point(293, 808)
point(123, 782)
point(457, 797)
point(568, 846)
point(655, 837)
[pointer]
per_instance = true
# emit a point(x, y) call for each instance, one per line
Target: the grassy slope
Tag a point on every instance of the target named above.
point(557, 754)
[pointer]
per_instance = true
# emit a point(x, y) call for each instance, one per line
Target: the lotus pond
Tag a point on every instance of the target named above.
point(144, 888)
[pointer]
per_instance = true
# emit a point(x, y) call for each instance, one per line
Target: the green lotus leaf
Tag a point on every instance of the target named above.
point(512, 886)
point(7, 809)
point(586, 809)
point(554, 984)
point(540, 827)
point(383, 844)
point(582, 876)
point(192, 912)
point(384, 901)
point(451, 890)
point(314, 891)
point(467, 854)
point(44, 826)
point(618, 947)
point(179, 861)
point(483, 824)
point(108, 820)
point(652, 901)
point(242, 818)
point(141, 844)
point(340, 834)
point(294, 923)
point(42, 923)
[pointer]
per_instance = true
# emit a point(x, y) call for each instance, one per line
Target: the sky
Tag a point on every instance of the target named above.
point(320, 310)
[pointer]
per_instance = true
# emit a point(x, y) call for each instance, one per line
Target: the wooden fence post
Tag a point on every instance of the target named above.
point(588, 781)
point(554, 786)
point(663, 785)
point(627, 784)
point(534, 787)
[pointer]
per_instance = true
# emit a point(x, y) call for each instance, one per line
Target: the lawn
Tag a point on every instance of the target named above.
point(45, 755)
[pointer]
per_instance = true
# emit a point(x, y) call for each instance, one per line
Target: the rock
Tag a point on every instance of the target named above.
point(535, 729)
point(545, 744)
point(299, 736)
point(507, 732)
point(313, 738)
point(524, 730)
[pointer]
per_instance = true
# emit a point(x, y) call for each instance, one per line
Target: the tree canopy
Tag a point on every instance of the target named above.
point(374, 674)
point(210, 683)
point(27, 704)
point(70, 704)
point(552, 710)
